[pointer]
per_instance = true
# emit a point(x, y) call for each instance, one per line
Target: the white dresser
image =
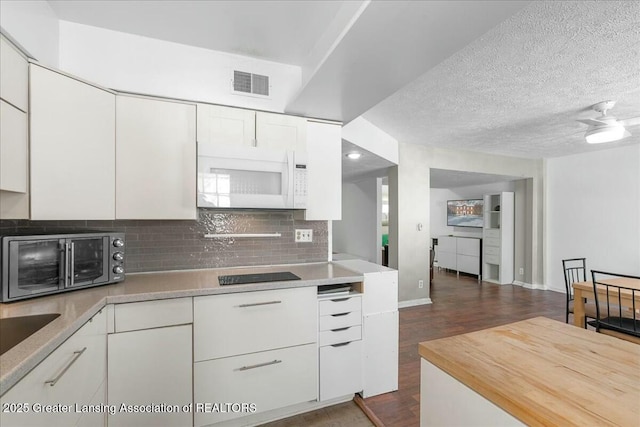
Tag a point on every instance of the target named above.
point(461, 254)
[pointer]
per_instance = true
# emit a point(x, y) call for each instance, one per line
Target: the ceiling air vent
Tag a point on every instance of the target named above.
point(250, 83)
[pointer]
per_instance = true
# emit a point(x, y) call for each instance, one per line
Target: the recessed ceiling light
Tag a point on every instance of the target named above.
point(354, 155)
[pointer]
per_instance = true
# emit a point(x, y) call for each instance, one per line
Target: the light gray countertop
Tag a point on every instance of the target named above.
point(77, 307)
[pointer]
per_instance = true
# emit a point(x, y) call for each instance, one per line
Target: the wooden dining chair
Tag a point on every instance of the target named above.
point(575, 270)
point(617, 305)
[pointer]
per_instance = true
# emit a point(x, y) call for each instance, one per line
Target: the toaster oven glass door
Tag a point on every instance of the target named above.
point(89, 260)
point(36, 266)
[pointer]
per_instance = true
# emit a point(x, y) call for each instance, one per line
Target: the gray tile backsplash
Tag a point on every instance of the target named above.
point(178, 245)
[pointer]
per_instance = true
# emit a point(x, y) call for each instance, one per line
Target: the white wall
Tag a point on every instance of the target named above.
point(144, 65)
point(357, 233)
point(593, 211)
point(412, 206)
point(34, 26)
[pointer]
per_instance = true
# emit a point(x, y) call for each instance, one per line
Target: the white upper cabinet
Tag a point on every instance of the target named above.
point(14, 76)
point(281, 132)
point(155, 159)
point(72, 148)
point(14, 156)
point(226, 125)
point(324, 171)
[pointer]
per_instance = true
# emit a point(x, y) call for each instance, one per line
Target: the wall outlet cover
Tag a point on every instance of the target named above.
point(304, 235)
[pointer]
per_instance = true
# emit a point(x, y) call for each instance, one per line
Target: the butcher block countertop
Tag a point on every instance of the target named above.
point(77, 307)
point(545, 372)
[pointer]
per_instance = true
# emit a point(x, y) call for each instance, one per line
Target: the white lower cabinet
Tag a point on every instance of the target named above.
point(68, 379)
point(340, 346)
point(380, 335)
point(252, 383)
point(151, 367)
point(151, 363)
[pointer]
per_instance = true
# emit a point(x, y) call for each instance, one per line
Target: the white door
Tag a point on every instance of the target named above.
point(72, 148)
point(155, 159)
point(14, 150)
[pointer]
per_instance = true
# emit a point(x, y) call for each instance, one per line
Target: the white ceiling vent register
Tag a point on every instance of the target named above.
point(248, 83)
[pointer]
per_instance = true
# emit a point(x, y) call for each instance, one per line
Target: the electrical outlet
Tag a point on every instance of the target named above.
point(420, 284)
point(521, 271)
point(304, 235)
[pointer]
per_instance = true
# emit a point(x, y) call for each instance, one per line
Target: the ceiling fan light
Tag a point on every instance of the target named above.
point(601, 135)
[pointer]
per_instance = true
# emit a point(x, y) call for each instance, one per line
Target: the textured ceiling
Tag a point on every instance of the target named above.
point(367, 164)
point(519, 89)
point(280, 31)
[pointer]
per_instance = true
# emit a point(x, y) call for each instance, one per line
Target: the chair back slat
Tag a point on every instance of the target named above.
point(618, 318)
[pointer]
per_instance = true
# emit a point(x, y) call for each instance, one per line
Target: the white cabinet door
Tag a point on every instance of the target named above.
point(257, 321)
point(380, 337)
point(281, 131)
point(468, 264)
point(14, 76)
point(268, 380)
point(324, 171)
point(447, 259)
point(79, 369)
point(226, 125)
point(72, 148)
point(155, 159)
point(152, 366)
point(14, 155)
point(340, 369)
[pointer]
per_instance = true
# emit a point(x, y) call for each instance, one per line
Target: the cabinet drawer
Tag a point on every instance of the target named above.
point(491, 233)
point(342, 335)
point(269, 379)
point(468, 264)
point(340, 320)
point(491, 241)
point(153, 314)
point(468, 246)
point(339, 305)
point(79, 365)
point(492, 259)
point(248, 322)
point(340, 370)
point(491, 250)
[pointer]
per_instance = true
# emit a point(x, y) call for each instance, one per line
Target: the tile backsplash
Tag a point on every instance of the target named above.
point(156, 245)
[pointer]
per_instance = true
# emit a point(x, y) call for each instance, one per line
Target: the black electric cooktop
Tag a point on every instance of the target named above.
point(239, 279)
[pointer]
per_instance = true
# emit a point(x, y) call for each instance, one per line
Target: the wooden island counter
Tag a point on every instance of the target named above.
point(538, 372)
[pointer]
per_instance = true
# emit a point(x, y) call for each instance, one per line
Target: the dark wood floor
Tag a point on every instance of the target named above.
point(459, 306)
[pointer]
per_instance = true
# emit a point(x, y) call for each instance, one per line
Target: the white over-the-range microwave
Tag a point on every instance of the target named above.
point(251, 177)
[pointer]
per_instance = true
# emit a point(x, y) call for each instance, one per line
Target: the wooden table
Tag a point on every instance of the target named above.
point(540, 372)
point(582, 290)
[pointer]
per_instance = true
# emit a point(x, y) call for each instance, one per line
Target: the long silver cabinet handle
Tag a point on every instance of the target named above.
point(260, 365)
point(259, 303)
point(76, 355)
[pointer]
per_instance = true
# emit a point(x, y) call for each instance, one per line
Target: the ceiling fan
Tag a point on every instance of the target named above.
point(607, 128)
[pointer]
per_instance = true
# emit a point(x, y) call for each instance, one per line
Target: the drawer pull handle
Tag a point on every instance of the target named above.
point(260, 365)
point(339, 329)
point(342, 344)
point(340, 314)
point(76, 356)
point(340, 299)
point(259, 303)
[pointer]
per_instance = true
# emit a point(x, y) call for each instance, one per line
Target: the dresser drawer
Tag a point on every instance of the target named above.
point(491, 242)
point(339, 305)
point(493, 233)
point(492, 259)
point(340, 370)
point(342, 335)
point(269, 379)
point(153, 314)
point(491, 250)
point(248, 322)
point(340, 320)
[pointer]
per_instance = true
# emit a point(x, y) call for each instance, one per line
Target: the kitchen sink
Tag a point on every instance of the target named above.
point(14, 330)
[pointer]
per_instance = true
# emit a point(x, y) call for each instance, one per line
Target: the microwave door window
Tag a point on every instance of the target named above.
point(88, 260)
point(36, 267)
point(236, 188)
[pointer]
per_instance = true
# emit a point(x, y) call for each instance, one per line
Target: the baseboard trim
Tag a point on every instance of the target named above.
point(530, 285)
point(414, 302)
